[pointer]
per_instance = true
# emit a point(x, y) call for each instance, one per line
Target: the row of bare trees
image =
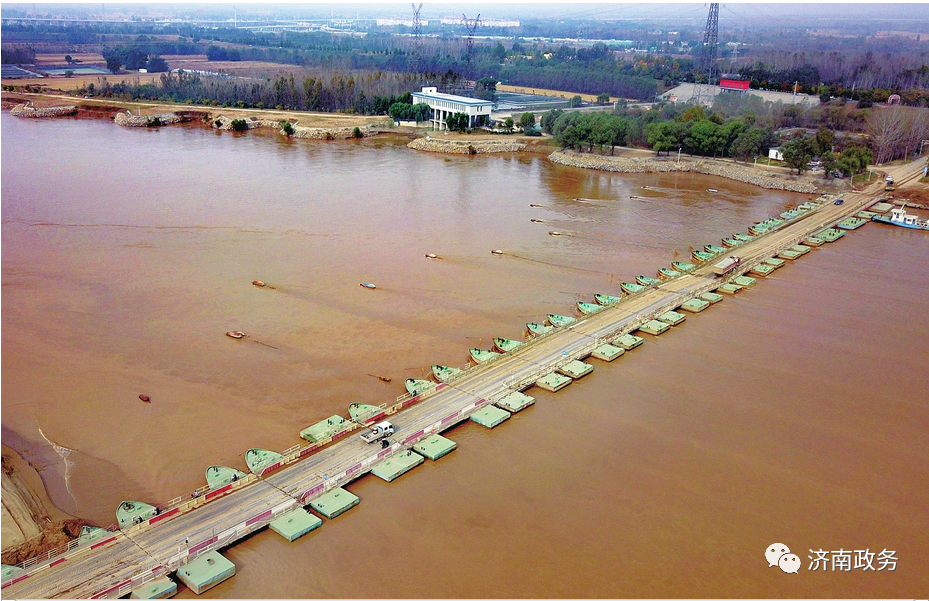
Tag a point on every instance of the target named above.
point(897, 131)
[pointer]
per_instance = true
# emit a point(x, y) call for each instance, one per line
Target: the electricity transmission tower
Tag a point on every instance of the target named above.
point(417, 38)
point(707, 68)
point(470, 25)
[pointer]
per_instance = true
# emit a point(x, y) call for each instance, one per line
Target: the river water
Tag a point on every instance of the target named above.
point(794, 413)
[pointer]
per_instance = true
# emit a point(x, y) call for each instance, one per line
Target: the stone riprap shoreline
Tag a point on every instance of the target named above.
point(325, 133)
point(465, 146)
point(24, 110)
point(127, 119)
point(224, 122)
point(772, 181)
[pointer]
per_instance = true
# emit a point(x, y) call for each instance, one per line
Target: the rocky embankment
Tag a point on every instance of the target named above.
point(224, 122)
point(24, 110)
point(326, 133)
point(772, 181)
point(127, 119)
point(465, 146)
point(31, 523)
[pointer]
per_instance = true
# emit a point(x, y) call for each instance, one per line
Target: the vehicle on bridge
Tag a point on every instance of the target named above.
point(379, 431)
point(889, 184)
point(726, 265)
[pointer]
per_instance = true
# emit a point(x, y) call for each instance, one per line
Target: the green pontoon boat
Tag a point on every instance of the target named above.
point(606, 299)
point(666, 273)
point(701, 256)
point(444, 373)
point(416, 387)
point(506, 345)
point(480, 355)
point(644, 280)
point(560, 321)
point(588, 308)
point(683, 267)
point(631, 288)
point(538, 329)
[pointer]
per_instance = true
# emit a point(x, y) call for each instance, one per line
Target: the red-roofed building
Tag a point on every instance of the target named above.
point(731, 84)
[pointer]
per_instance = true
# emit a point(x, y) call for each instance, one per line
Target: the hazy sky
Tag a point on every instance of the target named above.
point(910, 16)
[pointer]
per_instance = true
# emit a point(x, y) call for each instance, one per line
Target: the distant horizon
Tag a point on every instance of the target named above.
point(741, 13)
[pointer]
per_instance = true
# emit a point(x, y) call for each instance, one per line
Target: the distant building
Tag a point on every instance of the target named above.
point(483, 22)
point(389, 22)
point(732, 84)
point(444, 105)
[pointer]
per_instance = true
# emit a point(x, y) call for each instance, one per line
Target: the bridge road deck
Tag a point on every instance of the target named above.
point(98, 570)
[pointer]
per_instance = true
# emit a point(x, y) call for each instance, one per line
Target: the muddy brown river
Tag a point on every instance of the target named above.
point(794, 413)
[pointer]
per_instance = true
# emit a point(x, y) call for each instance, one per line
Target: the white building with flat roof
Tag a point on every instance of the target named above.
point(444, 105)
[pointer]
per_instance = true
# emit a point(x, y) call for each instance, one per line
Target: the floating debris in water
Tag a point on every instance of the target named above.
point(713, 190)
point(496, 252)
point(537, 221)
point(235, 334)
point(381, 378)
point(368, 285)
point(633, 197)
point(431, 256)
point(258, 283)
point(536, 206)
point(555, 234)
point(145, 398)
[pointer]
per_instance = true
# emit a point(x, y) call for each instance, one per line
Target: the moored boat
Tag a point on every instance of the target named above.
point(701, 256)
point(588, 308)
point(644, 280)
point(506, 345)
point(480, 355)
point(606, 299)
point(629, 288)
point(443, 373)
point(560, 321)
point(683, 267)
point(415, 387)
point(899, 217)
point(363, 412)
point(731, 242)
point(716, 250)
point(743, 237)
point(666, 273)
point(538, 329)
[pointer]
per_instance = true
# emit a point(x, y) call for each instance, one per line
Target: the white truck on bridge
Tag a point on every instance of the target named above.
point(377, 432)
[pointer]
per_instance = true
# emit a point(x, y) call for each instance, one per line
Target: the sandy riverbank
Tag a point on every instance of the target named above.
point(31, 524)
point(772, 181)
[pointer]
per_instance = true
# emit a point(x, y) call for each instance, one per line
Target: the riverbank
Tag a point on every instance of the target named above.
point(109, 107)
point(475, 146)
point(771, 181)
point(31, 524)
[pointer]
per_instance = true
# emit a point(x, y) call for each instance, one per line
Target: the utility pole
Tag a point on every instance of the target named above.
point(470, 26)
point(707, 60)
point(417, 37)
